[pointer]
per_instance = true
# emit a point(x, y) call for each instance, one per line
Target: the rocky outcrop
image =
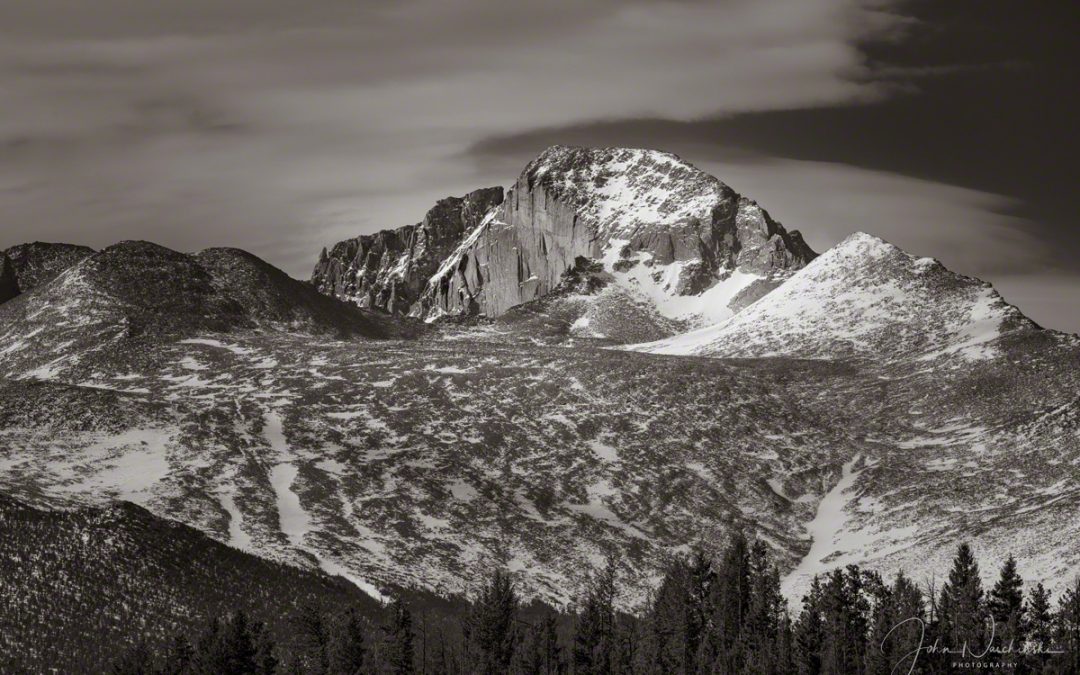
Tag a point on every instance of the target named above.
point(621, 205)
point(9, 283)
point(38, 262)
point(389, 270)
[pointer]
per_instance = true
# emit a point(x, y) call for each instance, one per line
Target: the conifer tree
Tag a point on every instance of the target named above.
point(1039, 629)
point(669, 642)
point(178, 656)
point(961, 608)
point(309, 640)
point(810, 631)
point(1006, 607)
point(234, 646)
point(845, 621)
point(1067, 631)
point(398, 644)
point(594, 635)
point(540, 651)
point(898, 627)
point(137, 660)
point(492, 630)
point(345, 645)
point(729, 602)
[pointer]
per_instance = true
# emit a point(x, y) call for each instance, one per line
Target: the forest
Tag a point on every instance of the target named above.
point(708, 615)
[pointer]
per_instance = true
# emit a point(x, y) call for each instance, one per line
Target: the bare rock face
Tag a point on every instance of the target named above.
point(38, 263)
point(388, 270)
point(625, 207)
point(9, 284)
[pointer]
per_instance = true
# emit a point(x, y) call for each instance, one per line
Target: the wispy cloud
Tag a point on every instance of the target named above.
point(279, 127)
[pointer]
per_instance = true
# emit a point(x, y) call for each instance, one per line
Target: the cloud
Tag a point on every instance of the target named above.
point(280, 127)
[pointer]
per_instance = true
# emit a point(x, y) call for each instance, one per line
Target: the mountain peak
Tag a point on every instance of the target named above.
point(863, 297)
point(35, 263)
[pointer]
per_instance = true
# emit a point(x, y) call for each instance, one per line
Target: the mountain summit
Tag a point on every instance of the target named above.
point(862, 297)
point(665, 233)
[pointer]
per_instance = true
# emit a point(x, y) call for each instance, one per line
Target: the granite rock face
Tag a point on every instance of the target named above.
point(624, 206)
point(388, 270)
point(667, 230)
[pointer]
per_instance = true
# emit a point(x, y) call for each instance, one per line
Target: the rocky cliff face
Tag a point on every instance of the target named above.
point(9, 283)
point(673, 236)
point(623, 206)
point(38, 263)
point(389, 270)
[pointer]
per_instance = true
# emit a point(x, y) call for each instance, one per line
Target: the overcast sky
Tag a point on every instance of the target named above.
point(282, 126)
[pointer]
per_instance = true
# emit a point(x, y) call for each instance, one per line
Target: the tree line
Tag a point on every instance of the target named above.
point(721, 615)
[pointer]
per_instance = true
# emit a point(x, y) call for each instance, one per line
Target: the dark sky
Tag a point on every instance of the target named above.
point(945, 126)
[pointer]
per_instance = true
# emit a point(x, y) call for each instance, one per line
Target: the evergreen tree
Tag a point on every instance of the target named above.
point(309, 638)
point(761, 632)
point(594, 636)
point(178, 656)
point(729, 602)
point(810, 631)
point(845, 620)
point(669, 641)
point(137, 660)
point(1039, 629)
point(1067, 631)
point(961, 608)
point(345, 645)
point(234, 646)
point(491, 628)
point(898, 627)
point(398, 644)
point(1006, 606)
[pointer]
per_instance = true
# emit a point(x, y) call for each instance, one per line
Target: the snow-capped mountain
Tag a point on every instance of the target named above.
point(668, 236)
point(864, 297)
point(891, 407)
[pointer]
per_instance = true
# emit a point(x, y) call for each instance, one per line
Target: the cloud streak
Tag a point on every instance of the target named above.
point(278, 129)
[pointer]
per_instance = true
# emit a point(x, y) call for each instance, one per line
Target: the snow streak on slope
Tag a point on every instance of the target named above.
point(826, 534)
point(862, 297)
point(295, 521)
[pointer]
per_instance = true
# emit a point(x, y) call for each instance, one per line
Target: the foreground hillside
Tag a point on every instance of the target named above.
point(79, 587)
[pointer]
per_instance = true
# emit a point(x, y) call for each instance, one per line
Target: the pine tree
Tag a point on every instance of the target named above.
point(398, 643)
point(178, 656)
point(234, 646)
point(729, 602)
point(762, 626)
point(898, 627)
point(961, 609)
point(491, 627)
point(137, 660)
point(345, 645)
point(594, 637)
point(810, 631)
point(1006, 607)
point(1067, 631)
point(669, 644)
point(1040, 628)
point(845, 621)
point(309, 638)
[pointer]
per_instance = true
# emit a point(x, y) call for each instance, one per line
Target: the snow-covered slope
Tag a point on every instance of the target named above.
point(864, 297)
